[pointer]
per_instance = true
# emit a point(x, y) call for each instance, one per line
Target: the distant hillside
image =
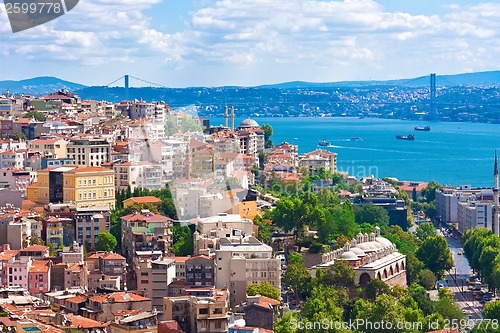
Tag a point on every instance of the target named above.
point(38, 86)
point(48, 84)
point(475, 79)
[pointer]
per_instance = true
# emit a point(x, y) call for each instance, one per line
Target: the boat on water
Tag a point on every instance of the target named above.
point(420, 128)
point(357, 138)
point(406, 137)
point(324, 143)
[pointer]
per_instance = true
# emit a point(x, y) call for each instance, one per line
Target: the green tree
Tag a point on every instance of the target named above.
point(413, 268)
point(426, 230)
point(35, 240)
point(487, 262)
point(492, 310)
point(52, 250)
point(268, 132)
point(264, 289)
point(429, 193)
point(445, 305)
point(17, 136)
point(265, 226)
point(436, 255)
point(385, 309)
point(375, 215)
point(427, 279)
point(419, 294)
point(339, 275)
point(295, 258)
point(325, 303)
point(298, 278)
point(375, 288)
point(106, 242)
point(283, 323)
point(183, 243)
point(38, 116)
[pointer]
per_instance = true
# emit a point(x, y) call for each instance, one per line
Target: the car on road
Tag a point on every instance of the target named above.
point(459, 253)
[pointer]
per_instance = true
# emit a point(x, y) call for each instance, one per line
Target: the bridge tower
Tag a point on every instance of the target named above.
point(126, 86)
point(433, 96)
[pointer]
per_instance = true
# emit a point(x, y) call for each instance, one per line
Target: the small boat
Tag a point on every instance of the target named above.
point(357, 138)
point(406, 137)
point(426, 128)
point(324, 143)
point(295, 138)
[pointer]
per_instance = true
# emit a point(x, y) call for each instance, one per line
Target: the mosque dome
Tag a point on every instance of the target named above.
point(248, 123)
point(358, 252)
point(349, 255)
point(384, 241)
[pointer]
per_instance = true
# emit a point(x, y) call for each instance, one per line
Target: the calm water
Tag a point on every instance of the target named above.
point(451, 153)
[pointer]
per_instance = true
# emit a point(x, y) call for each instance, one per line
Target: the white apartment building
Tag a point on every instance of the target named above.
point(244, 262)
point(319, 158)
point(472, 214)
point(138, 174)
point(89, 151)
point(447, 200)
point(210, 230)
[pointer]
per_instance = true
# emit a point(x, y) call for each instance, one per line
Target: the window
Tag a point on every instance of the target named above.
point(203, 311)
point(84, 182)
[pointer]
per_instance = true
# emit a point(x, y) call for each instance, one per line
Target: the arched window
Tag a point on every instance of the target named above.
point(364, 279)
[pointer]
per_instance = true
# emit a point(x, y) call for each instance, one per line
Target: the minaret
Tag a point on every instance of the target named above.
point(225, 116)
point(496, 204)
point(232, 118)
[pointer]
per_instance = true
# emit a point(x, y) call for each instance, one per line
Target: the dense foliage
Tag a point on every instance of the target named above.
point(482, 249)
point(263, 289)
point(182, 235)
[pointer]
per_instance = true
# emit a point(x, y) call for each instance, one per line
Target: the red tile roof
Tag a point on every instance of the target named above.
point(35, 248)
point(148, 199)
point(120, 297)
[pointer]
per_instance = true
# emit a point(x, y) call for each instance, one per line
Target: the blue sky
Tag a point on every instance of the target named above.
point(182, 43)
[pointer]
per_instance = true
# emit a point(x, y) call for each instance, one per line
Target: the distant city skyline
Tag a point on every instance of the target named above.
point(252, 42)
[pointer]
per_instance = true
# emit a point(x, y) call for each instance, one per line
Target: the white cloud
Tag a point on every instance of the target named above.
point(305, 38)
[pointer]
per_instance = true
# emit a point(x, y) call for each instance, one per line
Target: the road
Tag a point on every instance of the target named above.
point(463, 297)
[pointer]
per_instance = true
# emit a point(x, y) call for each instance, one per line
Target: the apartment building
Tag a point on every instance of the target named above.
point(473, 214)
point(146, 175)
point(53, 148)
point(84, 186)
point(203, 309)
point(200, 271)
point(102, 307)
point(210, 230)
point(241, 263)
point(162, 274)
point(447, 200)
point(12, 159)
point(90, 221)
point(39, 277)
point(15, 179)
point(89, 151)
point(319, 158)
point(145, 231)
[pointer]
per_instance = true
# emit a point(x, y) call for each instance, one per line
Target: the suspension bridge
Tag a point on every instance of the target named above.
point(428, 84)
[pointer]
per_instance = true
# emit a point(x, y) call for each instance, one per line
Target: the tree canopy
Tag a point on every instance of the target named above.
point(106, 242)
point(436, 255)
point(263, 289)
